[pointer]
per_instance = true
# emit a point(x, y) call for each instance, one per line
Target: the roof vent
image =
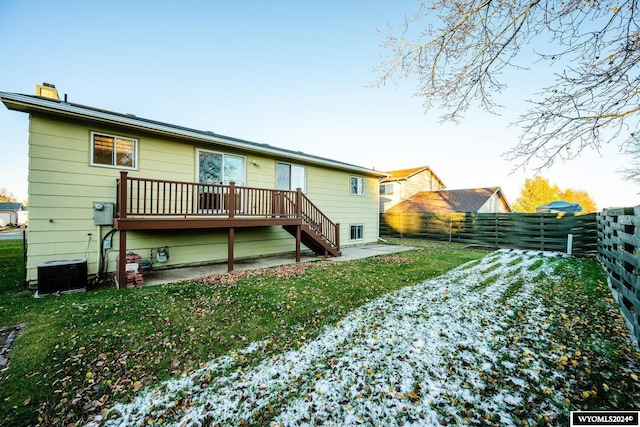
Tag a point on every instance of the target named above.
point(47, 90)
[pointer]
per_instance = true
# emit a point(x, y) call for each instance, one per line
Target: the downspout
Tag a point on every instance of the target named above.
point(24, 256)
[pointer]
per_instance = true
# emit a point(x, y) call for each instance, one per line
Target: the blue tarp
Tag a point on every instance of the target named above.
point(560, 206)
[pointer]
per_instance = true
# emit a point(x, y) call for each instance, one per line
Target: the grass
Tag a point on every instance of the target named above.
point(591, 340)
point(11, 271)
point(442, 352)
point(80, 353)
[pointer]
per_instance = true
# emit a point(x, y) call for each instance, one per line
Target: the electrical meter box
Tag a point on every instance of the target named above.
point(103, 213)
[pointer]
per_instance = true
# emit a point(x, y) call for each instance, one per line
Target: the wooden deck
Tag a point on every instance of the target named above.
point(150, 204)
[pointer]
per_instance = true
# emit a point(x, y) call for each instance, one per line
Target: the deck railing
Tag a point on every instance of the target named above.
point(146, 197)
point(315, 219)
point(152, 197)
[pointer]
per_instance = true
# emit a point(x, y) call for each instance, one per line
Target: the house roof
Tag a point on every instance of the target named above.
point(467, 200)
point(404, 174)
point(10, 206)
point(37, 104)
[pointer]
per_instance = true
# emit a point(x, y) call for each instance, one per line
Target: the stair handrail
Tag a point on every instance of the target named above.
point(315, 219)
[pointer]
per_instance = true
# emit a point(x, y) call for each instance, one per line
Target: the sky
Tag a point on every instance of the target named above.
point(292, 74)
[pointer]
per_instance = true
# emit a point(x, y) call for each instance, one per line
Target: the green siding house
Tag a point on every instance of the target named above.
point(103, 183)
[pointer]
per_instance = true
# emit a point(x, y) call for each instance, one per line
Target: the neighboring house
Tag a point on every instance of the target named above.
point(401, 184)
point(103, 183)
point(13, 213)
point(480, 200)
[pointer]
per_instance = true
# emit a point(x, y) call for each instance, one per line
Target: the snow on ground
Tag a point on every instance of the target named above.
point(462, 346)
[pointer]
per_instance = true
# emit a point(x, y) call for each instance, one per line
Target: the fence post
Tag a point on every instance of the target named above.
point(569, 244)
point(542, 218)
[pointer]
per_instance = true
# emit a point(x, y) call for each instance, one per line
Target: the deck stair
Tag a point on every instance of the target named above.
point(317, 231)
point(312, 238)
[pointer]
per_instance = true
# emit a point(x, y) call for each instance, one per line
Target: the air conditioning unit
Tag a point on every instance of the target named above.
point(62, 275)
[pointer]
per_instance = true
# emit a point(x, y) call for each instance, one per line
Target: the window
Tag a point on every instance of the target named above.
point(219, 168)
point(357, 186)
point(357, 232)
point(114, 151)
point(290, 177)
point(386, 189)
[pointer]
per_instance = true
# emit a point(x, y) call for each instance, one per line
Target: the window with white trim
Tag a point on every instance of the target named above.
point(214, 168)
point(114, 151)
point(386, 189)
point(219, 168)
point(356, 186)
point(290, 177)
point(357, 232)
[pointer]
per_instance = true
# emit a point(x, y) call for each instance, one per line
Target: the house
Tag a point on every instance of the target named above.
point(480, 200)
point(13, 213)
point(103, 184)
point(401, 184)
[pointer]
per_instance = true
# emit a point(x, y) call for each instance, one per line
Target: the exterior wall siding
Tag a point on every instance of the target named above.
point(63, 186)
point(494, 204)
point(423, 181)
point(330, 192)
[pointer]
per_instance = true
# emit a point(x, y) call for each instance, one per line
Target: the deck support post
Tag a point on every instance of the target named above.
point(122, 214)
point(122, 260)
point(230, 250)
point(299, 226)
point(298, 238)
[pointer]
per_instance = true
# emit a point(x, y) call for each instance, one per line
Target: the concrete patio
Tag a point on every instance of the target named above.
point(157, 277)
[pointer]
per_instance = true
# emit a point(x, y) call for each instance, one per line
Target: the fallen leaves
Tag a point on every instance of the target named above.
point(551, 346)
point(281, 272)
point(478, 358)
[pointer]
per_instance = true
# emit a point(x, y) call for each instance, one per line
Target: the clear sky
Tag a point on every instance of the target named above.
point(293, 74)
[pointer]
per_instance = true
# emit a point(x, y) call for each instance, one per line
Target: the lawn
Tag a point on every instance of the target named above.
point(321, 344)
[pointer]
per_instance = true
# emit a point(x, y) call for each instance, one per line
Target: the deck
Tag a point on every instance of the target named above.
point(151, 204)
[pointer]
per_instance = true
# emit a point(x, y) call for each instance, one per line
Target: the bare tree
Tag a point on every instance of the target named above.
point(463, 46)
point(632, 171)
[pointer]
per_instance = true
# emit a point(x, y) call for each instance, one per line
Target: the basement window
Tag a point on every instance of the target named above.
point(113, 151)
point(357, 232)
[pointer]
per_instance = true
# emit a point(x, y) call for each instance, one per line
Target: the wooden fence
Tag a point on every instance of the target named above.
point(511, 230)
point(614, 235)
point(618, 243)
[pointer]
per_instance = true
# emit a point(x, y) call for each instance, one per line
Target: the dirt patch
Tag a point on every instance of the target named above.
point(7, 337)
